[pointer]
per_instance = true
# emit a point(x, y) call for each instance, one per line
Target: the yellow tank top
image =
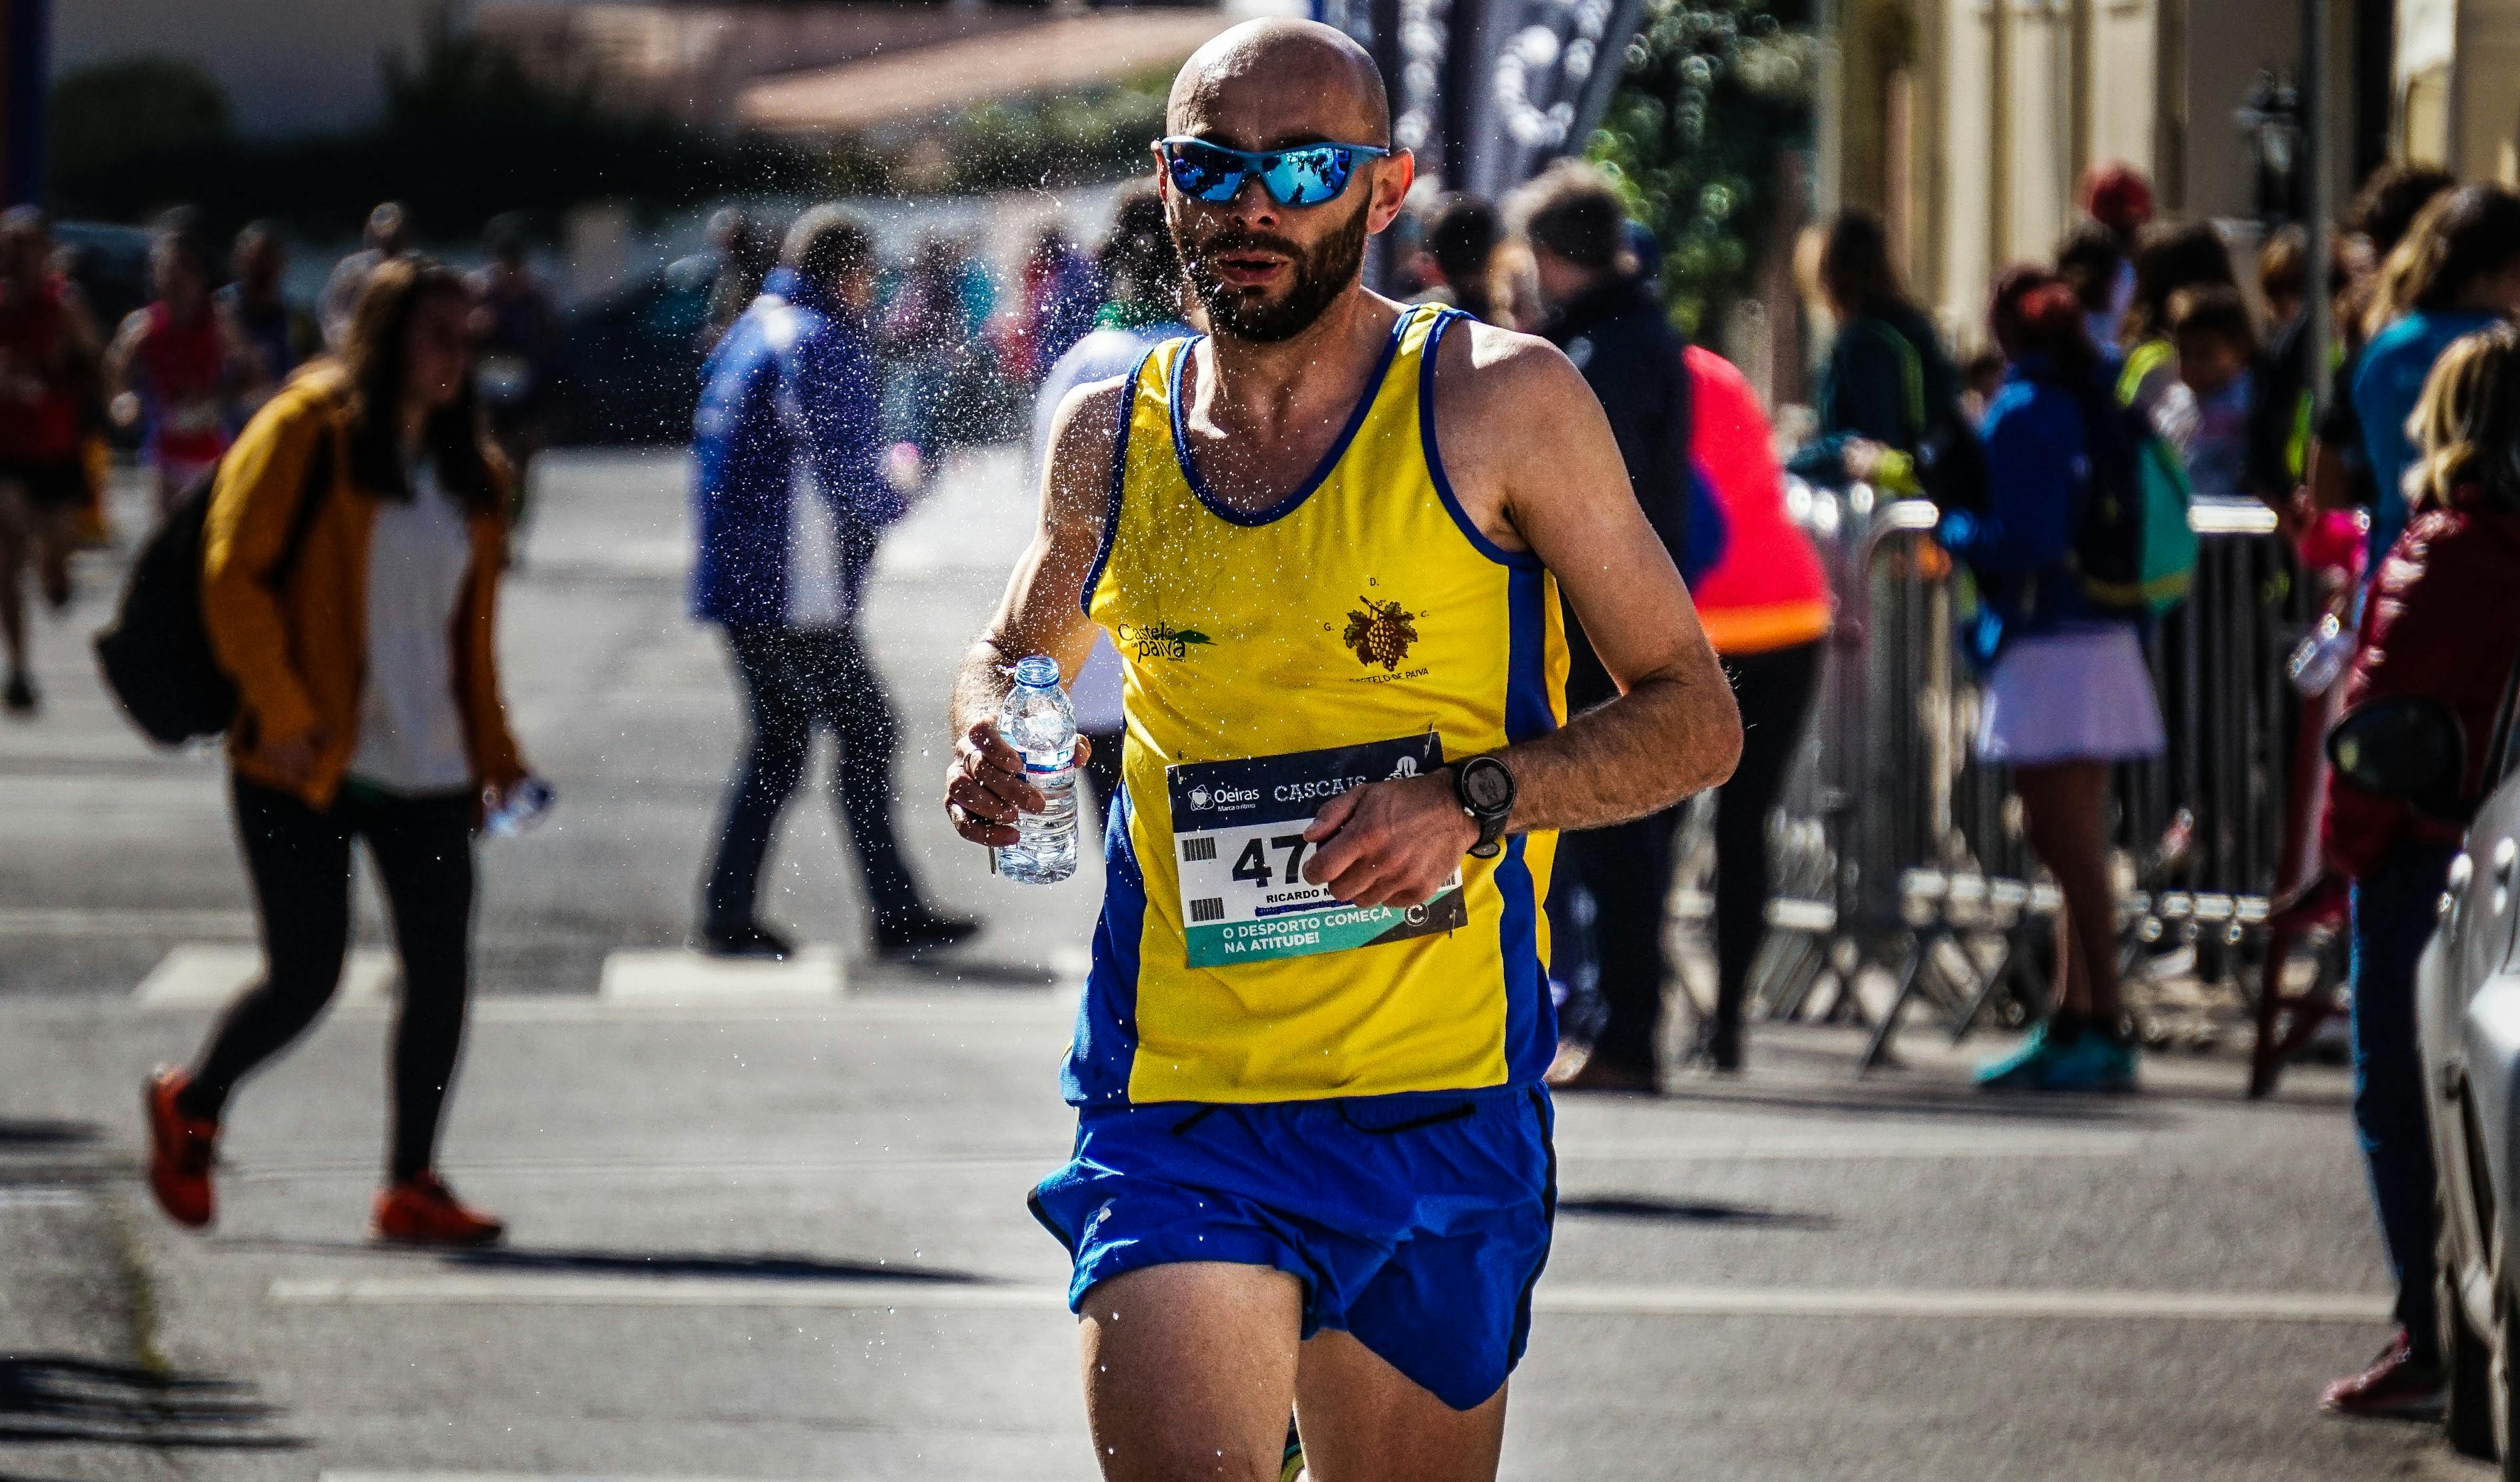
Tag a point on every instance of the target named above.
point(1361, 629)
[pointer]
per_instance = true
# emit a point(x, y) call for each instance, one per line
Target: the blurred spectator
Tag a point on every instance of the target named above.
point(2095, 263)
point(48, 378)
point(370, 709)
point(2456, 271)
point(2066, 694)
point(930, 336)
point(1981, 377)
point(173, 367)
point(2442, 625)
point(2170, 260)
point(1573, 224)
point(275, 335)
point(745, 253)
point(2217, 354)
point(388, 236)
point(2283, 274)
point(1766, 608)
point(1150, 303)
point(1061, 295)
point(1888, 387)
point(2334, 471)
point(516, 332)
point(1459, 255)
point(2116, 195)
point(792, 502)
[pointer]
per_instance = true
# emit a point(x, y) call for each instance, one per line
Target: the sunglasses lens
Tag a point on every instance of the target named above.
point(1203, 171)
point(1308, 176)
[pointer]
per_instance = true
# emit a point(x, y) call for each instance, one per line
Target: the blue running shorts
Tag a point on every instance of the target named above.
point(1417, 1222)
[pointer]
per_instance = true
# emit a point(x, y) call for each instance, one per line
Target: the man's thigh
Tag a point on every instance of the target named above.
point(1364, 1421)
point(1190, 1371)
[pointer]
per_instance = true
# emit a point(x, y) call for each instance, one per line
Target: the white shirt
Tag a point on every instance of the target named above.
point(410, 729)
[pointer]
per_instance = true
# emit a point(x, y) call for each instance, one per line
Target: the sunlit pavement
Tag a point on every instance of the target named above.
point(784, 1237)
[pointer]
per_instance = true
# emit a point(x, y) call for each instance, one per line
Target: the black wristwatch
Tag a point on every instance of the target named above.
point(1484, 788)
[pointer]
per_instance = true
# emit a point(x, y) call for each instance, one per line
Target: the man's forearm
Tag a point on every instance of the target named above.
point(1664, 739)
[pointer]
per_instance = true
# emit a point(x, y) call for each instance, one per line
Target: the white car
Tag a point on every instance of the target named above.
point(2467, 1026)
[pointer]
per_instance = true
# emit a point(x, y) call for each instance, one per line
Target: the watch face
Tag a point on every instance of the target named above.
point(1487, 787)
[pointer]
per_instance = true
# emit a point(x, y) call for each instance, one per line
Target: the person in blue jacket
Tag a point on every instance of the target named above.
point(2065, 694)
point(791, 501)
point(2456, 271)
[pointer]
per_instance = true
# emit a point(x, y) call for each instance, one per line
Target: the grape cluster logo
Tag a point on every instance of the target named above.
point(1380, 633)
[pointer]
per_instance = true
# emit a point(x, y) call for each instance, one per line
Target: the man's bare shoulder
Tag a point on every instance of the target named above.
point(1503, 388)
point(1084, 433)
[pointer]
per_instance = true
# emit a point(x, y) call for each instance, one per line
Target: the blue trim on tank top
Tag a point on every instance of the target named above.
point(1434, 454)
point(1330, 460)
point(1530, 1026)
point(1104, 1051)
point(1120, 481)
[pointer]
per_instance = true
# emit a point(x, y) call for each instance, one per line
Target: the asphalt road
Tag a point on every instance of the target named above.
point(786, 1239)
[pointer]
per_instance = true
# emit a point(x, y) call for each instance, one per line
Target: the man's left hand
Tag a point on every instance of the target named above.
point(1391, 843)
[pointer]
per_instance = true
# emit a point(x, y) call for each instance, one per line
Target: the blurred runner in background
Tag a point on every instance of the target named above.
point(1149, 303)
point(173, 368)
point(387, 236)
point(515, 334)
point(48, 378)
point(792, 502)
point(276, 337)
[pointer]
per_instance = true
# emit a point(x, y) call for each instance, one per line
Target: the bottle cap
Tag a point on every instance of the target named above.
point(1038, 672)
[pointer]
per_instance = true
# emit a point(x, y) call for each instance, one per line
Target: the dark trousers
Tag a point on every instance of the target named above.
point(796, 679)
point(1774, 691)
point(1627, 869)
point(300, 862)
point(2394, 916)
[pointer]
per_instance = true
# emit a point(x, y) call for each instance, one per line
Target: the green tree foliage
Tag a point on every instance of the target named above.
point(1715, 93)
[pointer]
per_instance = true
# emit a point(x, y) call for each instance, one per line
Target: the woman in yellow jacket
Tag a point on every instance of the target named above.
point(369, 708)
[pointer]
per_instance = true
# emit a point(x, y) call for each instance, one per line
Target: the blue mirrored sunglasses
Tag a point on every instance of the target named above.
point(1306, 174)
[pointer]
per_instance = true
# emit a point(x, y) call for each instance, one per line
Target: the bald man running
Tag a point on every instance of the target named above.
point(1312, 1162)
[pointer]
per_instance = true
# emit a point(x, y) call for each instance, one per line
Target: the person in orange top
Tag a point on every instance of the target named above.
point(367, 706)
point(1766, 608)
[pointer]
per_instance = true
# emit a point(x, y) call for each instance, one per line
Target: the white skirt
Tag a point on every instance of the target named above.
point(2080, 694)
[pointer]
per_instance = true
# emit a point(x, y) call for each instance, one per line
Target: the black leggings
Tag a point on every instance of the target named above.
point(1628, 867)
point(300, 862)
point(1774, 691)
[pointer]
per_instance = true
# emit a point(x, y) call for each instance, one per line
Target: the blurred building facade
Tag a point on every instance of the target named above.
point(2457, 78)
point(1967, 123)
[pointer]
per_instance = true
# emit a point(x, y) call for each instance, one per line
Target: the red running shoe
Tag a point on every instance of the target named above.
point(423, 1211)
point(181, 1150)
point(2398, 1386)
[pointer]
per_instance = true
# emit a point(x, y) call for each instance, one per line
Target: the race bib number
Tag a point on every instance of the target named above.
point(1238, 844)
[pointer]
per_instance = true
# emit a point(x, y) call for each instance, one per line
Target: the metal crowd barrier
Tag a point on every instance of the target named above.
point(1896, 850)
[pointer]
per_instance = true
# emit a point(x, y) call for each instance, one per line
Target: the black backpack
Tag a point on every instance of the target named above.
point(1949, 461)
point(155, 655)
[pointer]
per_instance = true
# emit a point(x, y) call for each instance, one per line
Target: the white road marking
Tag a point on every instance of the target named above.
point(525, 1289)
point(116, 921)
point(680, 976)
point(198, 975)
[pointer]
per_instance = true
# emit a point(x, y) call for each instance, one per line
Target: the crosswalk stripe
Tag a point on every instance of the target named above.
point(676, 975)
point(203, 975)
point(1568, 1300)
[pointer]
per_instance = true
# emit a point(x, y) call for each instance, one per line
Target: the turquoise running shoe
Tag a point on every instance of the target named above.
point(2094, 1062)
point(2026, 1068)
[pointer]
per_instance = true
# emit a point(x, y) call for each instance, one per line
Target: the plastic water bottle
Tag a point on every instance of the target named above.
point(1037, 722)
point(2321, 656)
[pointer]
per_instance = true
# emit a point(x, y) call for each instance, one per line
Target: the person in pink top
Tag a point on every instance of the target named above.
point(1766, 606)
